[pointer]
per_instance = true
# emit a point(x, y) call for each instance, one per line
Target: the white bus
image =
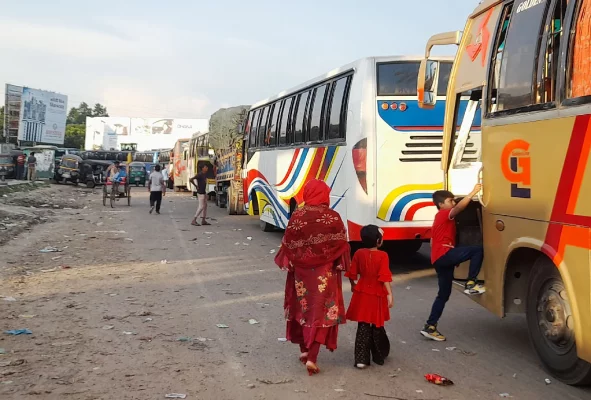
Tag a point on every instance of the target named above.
point(358, 128)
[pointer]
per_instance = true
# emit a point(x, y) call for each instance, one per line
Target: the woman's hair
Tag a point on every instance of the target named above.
point(370, 236)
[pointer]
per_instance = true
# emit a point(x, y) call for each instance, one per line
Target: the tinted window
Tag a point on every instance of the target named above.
point(262, 131)
point(316, 128)
point(444, 73)
point(253, 128)
point(336, 126)
point(398, 79)
point(272, 125)
point(284, 124)
point(580, 48)
point(299, 119)
point(518, 57)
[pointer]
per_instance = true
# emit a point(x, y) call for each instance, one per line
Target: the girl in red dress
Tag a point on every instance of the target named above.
point(372, 298)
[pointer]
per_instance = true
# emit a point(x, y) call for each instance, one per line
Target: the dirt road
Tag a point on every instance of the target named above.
point(129, 307)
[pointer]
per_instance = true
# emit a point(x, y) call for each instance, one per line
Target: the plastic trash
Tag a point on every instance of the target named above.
point(505, 395)
point(8, 298)
point(253, 321)
point(176, 396)
point(222, 326)
point(184, 339)
point(50, 249)
point(164, 262)
point(249, 238)
point(548, 381)
point(108, 327)
point(438, 380)
point(282, 339)
point(272, 251)
point(18, 332)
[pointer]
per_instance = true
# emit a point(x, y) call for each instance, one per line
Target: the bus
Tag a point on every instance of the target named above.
point(525, 65)
point(359, 129)
point(180, 157)
point(200, 154)
point(164, 158)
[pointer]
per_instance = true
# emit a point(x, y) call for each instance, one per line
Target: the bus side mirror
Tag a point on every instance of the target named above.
point(427, 83)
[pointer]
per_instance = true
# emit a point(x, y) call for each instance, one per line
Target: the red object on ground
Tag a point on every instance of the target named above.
point(438, 380)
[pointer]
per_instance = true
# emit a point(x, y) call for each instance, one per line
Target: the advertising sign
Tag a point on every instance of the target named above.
point(42, 116)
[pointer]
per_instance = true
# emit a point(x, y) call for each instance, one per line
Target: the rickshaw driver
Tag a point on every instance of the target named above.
point(118, 174)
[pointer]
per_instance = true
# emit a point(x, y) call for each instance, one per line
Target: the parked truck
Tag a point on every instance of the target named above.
point(225, 136)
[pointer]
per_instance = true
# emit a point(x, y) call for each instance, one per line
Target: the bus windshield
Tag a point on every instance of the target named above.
point(400, 78)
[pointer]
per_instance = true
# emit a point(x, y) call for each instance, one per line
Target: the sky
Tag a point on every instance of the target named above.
point(186, 59)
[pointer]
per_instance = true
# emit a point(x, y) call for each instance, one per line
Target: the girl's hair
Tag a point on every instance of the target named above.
point(370, 235)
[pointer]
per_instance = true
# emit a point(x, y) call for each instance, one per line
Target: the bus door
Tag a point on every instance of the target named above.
point(465, 164)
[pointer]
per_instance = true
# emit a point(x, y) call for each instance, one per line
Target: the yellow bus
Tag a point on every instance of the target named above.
point(526, 65)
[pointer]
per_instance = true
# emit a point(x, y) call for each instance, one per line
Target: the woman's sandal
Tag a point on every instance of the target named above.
point(312, 368)
point(304, 358)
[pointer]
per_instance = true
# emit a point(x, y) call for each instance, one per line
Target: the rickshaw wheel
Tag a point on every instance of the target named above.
point(129, 195)
point(90, 184)
point(104, 195)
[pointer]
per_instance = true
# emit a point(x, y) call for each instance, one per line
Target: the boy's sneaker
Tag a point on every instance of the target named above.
point(431, 332)
point(473, 288)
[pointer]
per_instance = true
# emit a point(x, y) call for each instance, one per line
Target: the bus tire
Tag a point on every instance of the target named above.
point(548, 307)
point(265, 226)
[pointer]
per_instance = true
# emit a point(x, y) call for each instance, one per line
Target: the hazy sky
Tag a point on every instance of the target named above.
point(181, 58)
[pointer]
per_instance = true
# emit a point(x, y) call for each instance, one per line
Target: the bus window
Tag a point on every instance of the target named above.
point(398, 78)
point(284, 124)
point(272, 125)
point(300, 110)
point(253, 129)
point(549, 55)
point(513, 76)
point(580, 65)
point(444, 73)
point(338, 104)
point(316, 126)
point(262, 131)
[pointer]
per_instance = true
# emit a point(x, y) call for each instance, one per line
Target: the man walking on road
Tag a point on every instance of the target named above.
point(31, 167)
point(156, 188)
point(200, 181)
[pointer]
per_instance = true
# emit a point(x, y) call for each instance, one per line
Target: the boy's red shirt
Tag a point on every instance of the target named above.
point(443, 235)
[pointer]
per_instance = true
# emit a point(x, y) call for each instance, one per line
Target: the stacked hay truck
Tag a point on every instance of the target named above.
point(226, 138)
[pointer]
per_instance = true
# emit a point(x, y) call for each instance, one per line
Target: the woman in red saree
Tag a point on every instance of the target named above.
point(314, 252)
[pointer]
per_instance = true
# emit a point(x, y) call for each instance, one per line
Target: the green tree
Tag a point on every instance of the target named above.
point(75, 136)
point(77, 115)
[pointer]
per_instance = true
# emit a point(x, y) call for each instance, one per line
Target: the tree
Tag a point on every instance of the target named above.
point(75, 136)
point(77, 115)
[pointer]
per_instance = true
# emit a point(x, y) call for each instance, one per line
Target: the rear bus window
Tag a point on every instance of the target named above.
point(316, 131)
point(398, 78)
point(284, 126)
point(300, 117)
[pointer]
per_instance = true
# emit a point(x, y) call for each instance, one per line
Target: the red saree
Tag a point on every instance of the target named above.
point(314, 251)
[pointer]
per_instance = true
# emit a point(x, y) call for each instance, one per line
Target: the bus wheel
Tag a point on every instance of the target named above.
point(265, 226)
point(551, 326)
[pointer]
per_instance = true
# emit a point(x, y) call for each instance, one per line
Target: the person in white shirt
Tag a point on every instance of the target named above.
point(165, 175)
point(156, 188)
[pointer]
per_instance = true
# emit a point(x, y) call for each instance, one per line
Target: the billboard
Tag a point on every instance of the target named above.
point(42, 116)
point(141, 134)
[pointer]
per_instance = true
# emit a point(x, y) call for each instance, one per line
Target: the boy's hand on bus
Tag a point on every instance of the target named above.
point(477, 188)
point(390, 301)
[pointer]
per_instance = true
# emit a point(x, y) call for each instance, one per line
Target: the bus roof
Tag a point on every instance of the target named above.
point(341, 70)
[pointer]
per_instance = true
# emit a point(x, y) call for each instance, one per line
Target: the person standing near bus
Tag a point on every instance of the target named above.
point(165, 175)
point(20, 167)
point(32, 167)
point(200, 181)
point(156, 188)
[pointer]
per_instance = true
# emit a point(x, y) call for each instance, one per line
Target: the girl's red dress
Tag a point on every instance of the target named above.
point(370, 298)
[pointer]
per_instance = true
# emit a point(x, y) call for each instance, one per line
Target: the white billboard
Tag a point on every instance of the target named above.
point(141, 134)
point(43, 116)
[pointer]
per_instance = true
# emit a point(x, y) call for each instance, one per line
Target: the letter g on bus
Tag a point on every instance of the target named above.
point(516, 167)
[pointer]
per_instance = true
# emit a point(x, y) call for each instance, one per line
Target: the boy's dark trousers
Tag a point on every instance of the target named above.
point(156, 197)
point(445, 266)
point(371, 342)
